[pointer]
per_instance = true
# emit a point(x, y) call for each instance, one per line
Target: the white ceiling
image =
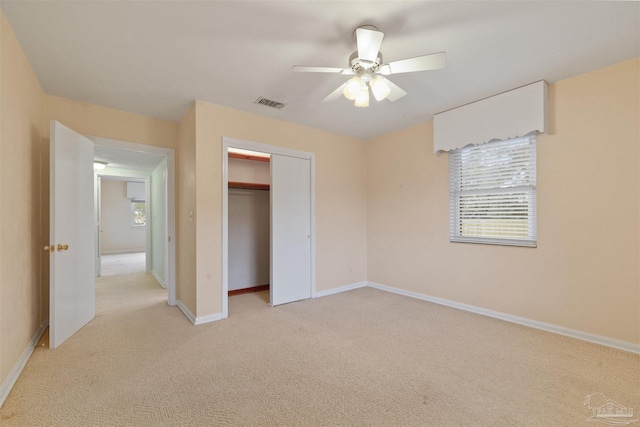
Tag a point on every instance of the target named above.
point(127, 160)
point(156, 57)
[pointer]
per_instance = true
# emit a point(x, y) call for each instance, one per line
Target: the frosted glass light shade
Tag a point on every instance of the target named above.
point(352, 88)
point(362, 99)
point(379, 88)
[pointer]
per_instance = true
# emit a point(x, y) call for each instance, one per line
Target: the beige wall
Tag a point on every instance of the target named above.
point(93, 120)
point(340, 197)
point(21, 234)
point(584, 273)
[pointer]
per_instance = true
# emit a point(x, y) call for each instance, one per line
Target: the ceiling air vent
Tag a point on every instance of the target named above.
point(270, 103)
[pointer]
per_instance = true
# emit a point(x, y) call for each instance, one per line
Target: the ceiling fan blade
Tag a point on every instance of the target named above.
point(395, 92)
point(433, 61)
point(335, 94)
point(335, 70)
point(369, 42)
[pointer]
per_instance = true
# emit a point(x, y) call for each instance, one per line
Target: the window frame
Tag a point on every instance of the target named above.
point(133, 213)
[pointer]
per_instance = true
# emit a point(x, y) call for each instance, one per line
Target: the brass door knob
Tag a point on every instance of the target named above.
point(62, 247)
point(49, 248)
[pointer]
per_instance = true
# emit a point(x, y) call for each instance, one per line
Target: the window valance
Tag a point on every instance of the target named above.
point(511, 114)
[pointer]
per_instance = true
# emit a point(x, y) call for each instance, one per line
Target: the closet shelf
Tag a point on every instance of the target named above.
point(248, 157)
point(248, 185)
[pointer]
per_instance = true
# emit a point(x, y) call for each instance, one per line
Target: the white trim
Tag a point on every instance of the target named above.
point(186, 311)
point(320, 294)
point(15, 372)
point(225, 228)
point(572, 333)
point(128, 251)
point(170, 258)
point(208, 319)
point(271, 149)
point(313, 224)
point(158, 279)
point(147, 225)
point(198, 320)
point(265, 148)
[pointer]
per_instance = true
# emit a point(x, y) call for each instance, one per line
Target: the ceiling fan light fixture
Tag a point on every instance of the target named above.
point(367, 65)
point(362, 99)
point(379, 88)
point(352, 88)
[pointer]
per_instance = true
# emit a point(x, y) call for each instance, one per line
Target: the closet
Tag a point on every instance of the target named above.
point(248, 222)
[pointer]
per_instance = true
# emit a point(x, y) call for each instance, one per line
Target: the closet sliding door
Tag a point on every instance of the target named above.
point(290, 229)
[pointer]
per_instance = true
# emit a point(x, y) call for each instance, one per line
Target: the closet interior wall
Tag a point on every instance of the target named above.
point(249, 224)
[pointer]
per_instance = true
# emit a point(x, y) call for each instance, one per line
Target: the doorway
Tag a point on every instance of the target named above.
point(123, 217)
point(292, 222)
point(249, 179)
point(73, 231)
point(144, 178)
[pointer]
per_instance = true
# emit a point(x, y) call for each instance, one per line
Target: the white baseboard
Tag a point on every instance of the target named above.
point(126, 251)
point(186, 311)
point(198, 320)
point(208, 319)
point(320, 294)
point(572, 333)
point(11, 379)
point(158, 279)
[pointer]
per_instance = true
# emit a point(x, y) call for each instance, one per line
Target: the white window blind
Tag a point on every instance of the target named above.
point(492, 193)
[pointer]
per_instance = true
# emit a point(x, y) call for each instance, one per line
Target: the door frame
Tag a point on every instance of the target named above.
point(170, 255)
point(228, 142)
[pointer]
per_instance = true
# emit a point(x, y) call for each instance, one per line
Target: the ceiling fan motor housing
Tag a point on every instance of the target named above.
point(359, 65)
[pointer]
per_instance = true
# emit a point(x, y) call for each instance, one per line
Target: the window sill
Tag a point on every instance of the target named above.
point(499, 242)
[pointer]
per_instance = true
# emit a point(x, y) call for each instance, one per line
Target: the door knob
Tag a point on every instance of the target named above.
point(49, 248)
point(62, 247)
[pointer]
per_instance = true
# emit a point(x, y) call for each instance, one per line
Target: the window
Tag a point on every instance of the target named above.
point(138, 213)
point(492, 193)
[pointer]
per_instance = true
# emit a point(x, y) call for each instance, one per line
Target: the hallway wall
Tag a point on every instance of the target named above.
point(118, 235)
point(157, 216)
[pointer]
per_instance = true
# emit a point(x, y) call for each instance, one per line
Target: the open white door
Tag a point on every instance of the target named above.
point(72, 234)
point(290, 229)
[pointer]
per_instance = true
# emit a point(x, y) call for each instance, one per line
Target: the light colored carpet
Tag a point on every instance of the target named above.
point(115, 264)
point(363, 357)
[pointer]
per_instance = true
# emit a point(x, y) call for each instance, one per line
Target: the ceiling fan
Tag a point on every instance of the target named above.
point(368, 70)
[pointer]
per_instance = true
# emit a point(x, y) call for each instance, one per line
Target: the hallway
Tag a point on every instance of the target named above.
point(114, 264)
